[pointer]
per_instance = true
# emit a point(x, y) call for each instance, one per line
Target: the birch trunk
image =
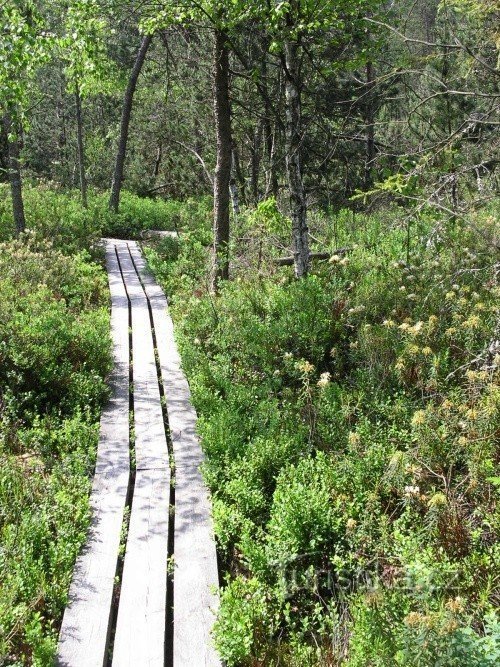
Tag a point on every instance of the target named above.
point(223, 168)
point(81, 148)
point(300, 232)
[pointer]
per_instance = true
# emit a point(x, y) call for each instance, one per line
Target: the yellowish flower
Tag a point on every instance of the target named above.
point(354, 438)
point(473, 322)
point(418, 418)
point(305, 366)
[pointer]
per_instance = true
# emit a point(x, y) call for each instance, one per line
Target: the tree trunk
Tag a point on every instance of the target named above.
point(233, 182)
point(222, 114)
point(81, 147)
point(255, 160)
point(370, 126)
point(114, 199)
point(268, 132)
point(300, 232)
point(14, 168)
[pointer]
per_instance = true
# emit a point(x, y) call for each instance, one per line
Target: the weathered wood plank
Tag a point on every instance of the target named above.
point(150, 443)
point(140, 628)
point(195, 574)
point(83, 640)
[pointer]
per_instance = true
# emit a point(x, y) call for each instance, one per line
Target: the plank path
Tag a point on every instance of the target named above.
point(144, 587)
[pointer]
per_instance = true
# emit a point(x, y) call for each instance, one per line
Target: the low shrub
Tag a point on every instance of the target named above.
point(350, 426)
point(54, 357)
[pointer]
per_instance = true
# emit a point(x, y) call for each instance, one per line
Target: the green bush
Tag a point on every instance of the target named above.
point(58, 215)
point(349, 422)
point(54, 357)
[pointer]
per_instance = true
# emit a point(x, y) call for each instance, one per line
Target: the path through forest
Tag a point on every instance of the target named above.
point(144, 586)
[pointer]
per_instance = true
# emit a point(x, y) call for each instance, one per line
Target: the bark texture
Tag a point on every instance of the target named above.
point(222, 112)
point(14, 168)
point(128, 98)
point(81, 148)
point(300, 232)
point(370, 125)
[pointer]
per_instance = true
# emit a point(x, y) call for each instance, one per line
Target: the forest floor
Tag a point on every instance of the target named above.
point(349, 423)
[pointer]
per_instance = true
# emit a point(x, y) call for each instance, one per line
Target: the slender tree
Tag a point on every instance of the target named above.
point(293, 151)
point(128, 98)
point(14, 170)
point(23, 48)
point(222, 113)
point(81, 146)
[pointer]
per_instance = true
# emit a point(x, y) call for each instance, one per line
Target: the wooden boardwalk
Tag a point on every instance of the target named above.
point(144, 588)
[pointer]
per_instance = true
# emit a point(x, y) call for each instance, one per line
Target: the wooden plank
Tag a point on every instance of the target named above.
point(84, 635)
point(140, 628)
point(150, 443)
point(195, 574)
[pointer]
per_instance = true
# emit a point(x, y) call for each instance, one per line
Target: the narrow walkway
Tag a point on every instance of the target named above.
point(144, 587)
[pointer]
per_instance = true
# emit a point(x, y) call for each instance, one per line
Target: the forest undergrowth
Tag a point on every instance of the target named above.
point(55, 356)
point(351, 426)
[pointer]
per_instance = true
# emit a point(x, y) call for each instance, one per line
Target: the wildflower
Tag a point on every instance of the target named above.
point(334, 259)
point(197, 341)
point(389, 323)
point(416, 328)
point(354, 345)
point(344, 261)
point(449, 296)
point(288, 355)
point(414, 618)
point(473, 322)
point(276, 373)
point(412, 491)
point(426, 351)
point(404, 327)
point(418, 418)
point(412, 296)
point(351, 523)
point(324, 380)
point(450, 332)
point(400, 364)
point(354, 438)
point(402, 288)
point(305, 366)
point(333, 352)
point(456, 605)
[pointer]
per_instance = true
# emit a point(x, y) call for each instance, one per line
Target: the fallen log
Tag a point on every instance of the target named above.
point(288, 261)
